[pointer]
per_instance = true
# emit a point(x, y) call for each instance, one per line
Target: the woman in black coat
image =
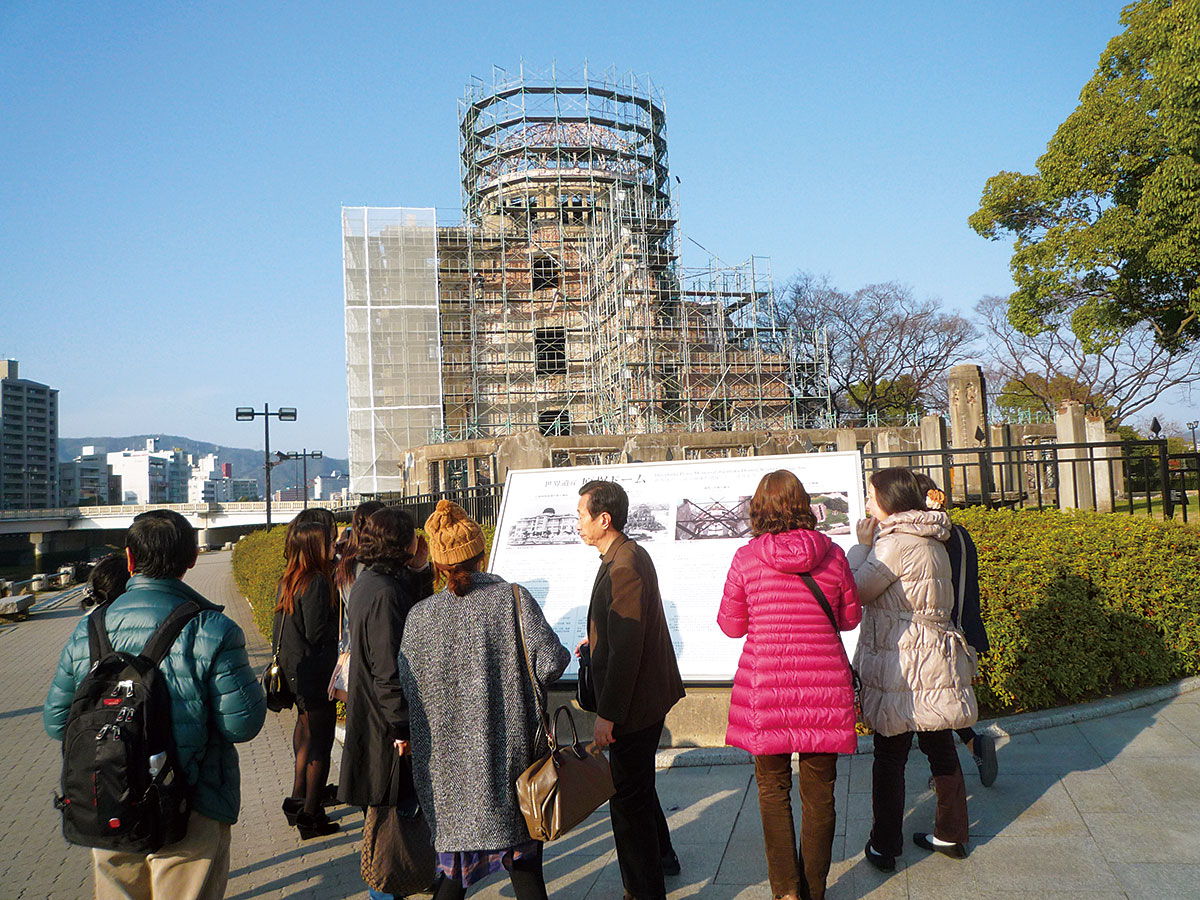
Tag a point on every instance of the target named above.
point(306, 622)
point(396, 575)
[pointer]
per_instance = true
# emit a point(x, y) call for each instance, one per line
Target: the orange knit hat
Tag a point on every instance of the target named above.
point(453, 536)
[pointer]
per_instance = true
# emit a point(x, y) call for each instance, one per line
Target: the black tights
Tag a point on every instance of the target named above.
point(966, 735)
point(526, 875)
point(312, 742)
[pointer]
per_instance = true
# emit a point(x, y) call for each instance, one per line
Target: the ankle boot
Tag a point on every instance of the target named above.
point(313, 825)
point(292, 806)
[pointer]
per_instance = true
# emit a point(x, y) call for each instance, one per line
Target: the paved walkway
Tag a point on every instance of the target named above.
point(1104, 809)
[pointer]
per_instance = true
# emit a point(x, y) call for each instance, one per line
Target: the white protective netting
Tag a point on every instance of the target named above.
point(393, 358)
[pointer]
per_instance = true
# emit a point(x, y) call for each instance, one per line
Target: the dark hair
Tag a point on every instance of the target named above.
point(897, 490)
point(309, 553)
point(607, 497)
point(386, 537)
point(321, 516)
point(780, 504)
point(348, 546)
point(107, 580)
point(163, 544)
point(927, 484)
point(460, 576)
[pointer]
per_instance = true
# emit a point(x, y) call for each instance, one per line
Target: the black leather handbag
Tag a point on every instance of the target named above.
point(585, 688)
point(274, 682)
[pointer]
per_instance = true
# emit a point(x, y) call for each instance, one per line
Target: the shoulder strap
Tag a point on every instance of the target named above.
point(164, 636)
point(961, 593)
point(99, 646)
point(820, 595)
point(533, 685)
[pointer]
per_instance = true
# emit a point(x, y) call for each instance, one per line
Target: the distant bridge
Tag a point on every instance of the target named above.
point(47, 527)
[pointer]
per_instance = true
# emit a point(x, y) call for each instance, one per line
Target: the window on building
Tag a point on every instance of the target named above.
point(550, 351)
point(554, 422)
point(485, 468)
point(435, 477)
point(545, 273)
point(456, 474)
point(559, 458)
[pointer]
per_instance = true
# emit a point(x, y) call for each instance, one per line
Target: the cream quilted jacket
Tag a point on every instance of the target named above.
point(916, 667)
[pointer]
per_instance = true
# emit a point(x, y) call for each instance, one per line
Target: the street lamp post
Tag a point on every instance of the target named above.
point(304, 455)
point(1193, 426)
point(283, 414)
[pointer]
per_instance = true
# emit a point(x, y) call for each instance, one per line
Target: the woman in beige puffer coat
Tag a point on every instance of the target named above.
point(916, 666)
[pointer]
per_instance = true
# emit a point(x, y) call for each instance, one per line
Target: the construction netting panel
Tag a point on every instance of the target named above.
point(393, 364)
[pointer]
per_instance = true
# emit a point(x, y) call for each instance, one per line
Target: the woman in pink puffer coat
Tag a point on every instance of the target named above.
point(793, 691)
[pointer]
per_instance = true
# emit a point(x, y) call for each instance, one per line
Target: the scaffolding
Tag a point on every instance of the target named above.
point(561, 304)
point(393, 363)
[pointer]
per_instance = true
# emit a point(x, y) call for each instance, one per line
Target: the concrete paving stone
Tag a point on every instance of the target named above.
point(1025, 810)
point(1131, 735)
point(1096, 791)
point(1143, 881)
point(1036, 864)
point(1135, 838)
point(1161, 786)
point(1184, 714)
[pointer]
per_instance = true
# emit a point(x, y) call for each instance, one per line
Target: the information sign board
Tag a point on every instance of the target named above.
point(690, 516)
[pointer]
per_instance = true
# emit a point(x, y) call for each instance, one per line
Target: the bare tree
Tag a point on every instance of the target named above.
point(1124, 374)
point(888, 351)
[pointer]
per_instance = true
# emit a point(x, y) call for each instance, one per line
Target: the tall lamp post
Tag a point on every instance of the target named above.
point(1193, 426)
point(283, 414)
point(305, 455)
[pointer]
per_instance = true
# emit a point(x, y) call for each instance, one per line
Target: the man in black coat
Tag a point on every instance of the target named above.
point(636, 681)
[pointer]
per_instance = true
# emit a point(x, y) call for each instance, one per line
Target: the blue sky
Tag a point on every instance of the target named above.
point(173, 173)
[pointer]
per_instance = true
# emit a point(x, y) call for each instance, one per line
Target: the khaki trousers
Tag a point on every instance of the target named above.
point(195, 868)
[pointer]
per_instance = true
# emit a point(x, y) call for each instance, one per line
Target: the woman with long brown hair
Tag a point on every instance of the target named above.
point(306, 622)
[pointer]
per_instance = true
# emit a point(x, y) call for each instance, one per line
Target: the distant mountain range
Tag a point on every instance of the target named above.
point(246, 463)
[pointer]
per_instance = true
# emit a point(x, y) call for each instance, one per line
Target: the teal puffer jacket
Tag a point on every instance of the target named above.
point(216, 700)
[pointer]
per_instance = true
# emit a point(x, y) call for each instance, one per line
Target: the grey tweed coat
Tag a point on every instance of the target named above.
point(471, 709)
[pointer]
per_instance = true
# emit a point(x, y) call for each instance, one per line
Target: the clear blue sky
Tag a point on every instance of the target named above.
point(173, 173)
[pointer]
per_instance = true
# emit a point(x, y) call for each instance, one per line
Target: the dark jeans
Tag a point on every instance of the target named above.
point(637, 816)
point(818, 772)
point(887, 789)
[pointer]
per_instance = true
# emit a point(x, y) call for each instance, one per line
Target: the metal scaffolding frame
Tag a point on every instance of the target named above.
point(562, 304)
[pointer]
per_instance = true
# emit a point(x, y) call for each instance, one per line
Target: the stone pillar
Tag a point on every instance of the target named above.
point(1074, 478)
point(845, 439)
point(41, 547)
point(1105, 463)
point(649, 448)
point(523, 450)
point(968, 421)
point(936, 463)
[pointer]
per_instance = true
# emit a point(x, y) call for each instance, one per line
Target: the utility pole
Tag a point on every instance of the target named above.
point(283, 414)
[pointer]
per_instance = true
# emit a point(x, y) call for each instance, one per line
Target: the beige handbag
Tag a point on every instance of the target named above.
point(569, 782)
point(339, 681)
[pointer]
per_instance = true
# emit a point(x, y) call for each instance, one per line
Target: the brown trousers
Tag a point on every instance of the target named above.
point(887, 789)
point(818, 772)
point(195, 868)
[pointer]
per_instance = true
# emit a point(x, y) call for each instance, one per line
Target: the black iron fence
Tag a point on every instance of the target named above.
point(1137, 477)
point(481, 503)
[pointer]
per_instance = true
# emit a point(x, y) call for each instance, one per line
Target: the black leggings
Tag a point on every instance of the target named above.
point(526, 875)
point(312, 742)
point(966, 735)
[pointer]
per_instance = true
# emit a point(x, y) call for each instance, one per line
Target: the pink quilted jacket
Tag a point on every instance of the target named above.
point(792, 692)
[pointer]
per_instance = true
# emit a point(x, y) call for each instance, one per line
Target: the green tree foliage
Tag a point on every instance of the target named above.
point(1108, 229)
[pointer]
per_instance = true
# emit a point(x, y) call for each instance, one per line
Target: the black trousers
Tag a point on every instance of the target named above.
point(637, 816)
point(887, 789)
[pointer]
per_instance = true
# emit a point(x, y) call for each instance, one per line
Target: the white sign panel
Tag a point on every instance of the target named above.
point(690, 516)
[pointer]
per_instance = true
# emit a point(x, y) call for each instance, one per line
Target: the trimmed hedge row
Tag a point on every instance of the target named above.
point(258, 565)
point(1077, 605)
point(1081, 604)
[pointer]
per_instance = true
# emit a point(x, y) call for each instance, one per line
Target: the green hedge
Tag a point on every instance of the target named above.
point(258, 565)
point(1079, 605)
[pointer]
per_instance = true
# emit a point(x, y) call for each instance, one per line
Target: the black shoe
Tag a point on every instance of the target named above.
point(954, 851)
point(985, 758)
point(671, 863)
point(291, 807)
point(329, 796)
point(313, 825)
point(882, 861)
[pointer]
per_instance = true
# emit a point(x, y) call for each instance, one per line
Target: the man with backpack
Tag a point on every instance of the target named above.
point(151, 694)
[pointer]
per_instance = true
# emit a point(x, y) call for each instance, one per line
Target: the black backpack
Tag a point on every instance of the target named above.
point(122, 785)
